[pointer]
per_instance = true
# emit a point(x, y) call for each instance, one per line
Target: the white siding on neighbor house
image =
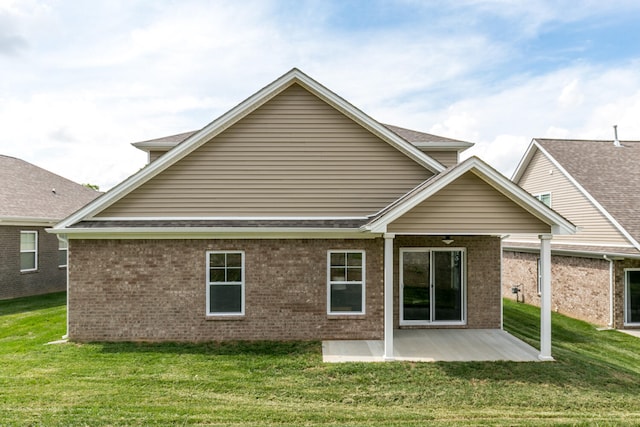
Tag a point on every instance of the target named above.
point(468, 205)
point(542, 176)
point(293, 156)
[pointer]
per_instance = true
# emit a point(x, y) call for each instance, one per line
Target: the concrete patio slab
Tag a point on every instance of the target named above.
point(435, 345)
point(634, 332)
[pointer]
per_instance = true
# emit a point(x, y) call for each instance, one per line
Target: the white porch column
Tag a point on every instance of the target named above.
point(545, 297)
point(388, 296)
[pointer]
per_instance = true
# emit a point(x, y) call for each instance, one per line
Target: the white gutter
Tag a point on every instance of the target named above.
point(612, 280)
point(63, 238)
point(610, 325)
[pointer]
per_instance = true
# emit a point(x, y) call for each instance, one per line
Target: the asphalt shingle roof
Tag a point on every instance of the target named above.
point(27, 191)
point(609, 173)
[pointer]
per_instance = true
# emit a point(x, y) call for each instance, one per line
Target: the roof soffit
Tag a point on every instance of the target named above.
point(197, 139)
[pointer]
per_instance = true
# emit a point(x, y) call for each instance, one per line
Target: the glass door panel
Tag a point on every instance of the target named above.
point(447, 285)
point(416, 301)
point(633, 296)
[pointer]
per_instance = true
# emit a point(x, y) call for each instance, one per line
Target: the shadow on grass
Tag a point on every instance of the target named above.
point(28, 304)
point(231, 348)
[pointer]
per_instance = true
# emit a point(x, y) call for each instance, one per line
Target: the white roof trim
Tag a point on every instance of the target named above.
point(524, 161)
point(229, 218)
point(211, 233)
point(231, 117)
point(498, 181)
point(27, 221)
point(581, 189)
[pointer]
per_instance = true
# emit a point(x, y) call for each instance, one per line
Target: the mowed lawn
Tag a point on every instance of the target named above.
point(595, 380)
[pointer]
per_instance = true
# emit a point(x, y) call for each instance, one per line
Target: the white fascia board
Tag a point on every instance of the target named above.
point(589, 197)
point(496, 180)
point(211, 233)
point(570, 252)
point(232, 116)
point(229, 218)
point(27, 221)
point(524, 161)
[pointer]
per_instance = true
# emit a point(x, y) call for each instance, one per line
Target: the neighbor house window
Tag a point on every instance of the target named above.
point(28, 250)
point(346, 288)
point(62, 252)
point(225, 283)
point(544, 198)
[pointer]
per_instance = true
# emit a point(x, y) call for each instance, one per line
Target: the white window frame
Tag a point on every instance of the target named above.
point(63, 245)
point(626, 298)
point(362, 282)
point(463, 272)
point(241, 283)
point(34, 251)
point(539, 196)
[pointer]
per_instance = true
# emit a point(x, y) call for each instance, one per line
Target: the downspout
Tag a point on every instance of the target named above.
point(611, 282)
point(63, 238)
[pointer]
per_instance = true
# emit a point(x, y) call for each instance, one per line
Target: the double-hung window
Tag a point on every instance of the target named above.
point(28, 250)
point(346, 284)
point(62, 252)
point(225, 283)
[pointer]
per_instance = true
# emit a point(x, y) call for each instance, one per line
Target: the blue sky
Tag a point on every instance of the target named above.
point(81, 80)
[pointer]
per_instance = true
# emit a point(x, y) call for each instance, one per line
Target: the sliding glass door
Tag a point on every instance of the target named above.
point(432, 286)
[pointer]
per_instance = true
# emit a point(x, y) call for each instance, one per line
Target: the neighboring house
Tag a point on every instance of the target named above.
point(296, 216)
point(596, 272)
point(31, 199)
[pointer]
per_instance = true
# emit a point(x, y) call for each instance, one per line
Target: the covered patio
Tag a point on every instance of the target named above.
point(435, 345)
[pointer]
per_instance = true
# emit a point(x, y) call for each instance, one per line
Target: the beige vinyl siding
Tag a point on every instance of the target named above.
point(153, 155)
point(447, 158)
point(468, 205)
point(294, 156)
point(542, 176)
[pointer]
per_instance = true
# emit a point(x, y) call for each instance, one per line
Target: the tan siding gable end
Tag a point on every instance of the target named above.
point(468, 205)
point(542, 176)
point(294, 156)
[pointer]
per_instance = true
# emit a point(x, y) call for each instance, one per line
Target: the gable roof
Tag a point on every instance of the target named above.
point(558, 224)
point(197, 139)
point(31, 194)
point(606, 174)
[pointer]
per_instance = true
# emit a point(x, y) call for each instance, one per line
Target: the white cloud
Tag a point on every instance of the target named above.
point(91, 77)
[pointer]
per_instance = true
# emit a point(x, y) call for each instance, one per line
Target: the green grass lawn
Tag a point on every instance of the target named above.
point(595, 380)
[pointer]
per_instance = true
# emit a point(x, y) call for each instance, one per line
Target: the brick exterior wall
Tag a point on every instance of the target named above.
point(154, 290)
point(619, 291)
point(579, 286)
point(48, 278)
point(484, 304)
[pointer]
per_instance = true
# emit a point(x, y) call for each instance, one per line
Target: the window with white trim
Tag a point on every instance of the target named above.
point(544, 198)
point(62, 252)
point(225, 283)
point(346, 282)
point(28, 250)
